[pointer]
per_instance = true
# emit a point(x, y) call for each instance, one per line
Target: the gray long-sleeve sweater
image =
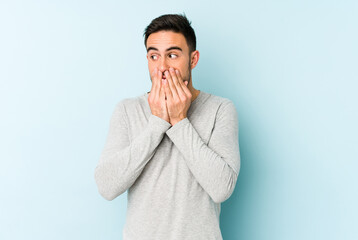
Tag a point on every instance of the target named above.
point(176, 176)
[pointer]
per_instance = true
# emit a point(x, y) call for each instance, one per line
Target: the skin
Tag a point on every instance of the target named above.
point(170, 72)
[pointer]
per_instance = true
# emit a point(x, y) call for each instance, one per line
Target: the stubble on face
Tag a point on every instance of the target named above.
point(189, 71)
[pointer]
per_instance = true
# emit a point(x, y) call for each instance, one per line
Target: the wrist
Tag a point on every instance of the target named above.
point(174, 121)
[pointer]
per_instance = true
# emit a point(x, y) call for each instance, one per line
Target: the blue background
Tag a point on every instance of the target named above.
point(290, 67)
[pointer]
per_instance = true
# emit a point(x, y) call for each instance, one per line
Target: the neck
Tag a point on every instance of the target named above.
point(194, 93)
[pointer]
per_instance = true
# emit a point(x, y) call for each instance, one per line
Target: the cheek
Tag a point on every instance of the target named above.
point(151, 67)
point(183, 68)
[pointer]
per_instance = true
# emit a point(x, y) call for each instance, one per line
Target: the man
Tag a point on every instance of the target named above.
point(175, 149)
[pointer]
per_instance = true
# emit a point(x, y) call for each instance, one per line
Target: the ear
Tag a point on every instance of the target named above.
point(194, 58)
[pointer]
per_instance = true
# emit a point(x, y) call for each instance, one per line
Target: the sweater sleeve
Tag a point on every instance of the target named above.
point(123, 159)
point(215, 165)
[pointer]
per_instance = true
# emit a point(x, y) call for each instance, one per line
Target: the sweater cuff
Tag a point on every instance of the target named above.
point(158, 124)
point(171, 131)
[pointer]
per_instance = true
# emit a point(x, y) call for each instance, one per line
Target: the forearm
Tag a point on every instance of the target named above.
point(118, 168)
point(215, 165)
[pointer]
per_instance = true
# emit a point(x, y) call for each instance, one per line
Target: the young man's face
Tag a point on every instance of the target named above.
point(167, 49)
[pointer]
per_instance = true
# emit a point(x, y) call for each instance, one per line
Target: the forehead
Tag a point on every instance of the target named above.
point(162, 39)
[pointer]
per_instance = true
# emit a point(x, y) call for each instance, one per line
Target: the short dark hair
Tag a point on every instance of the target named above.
point(172, 22)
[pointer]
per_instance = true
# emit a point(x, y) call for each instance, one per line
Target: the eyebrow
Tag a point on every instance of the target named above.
point(168, 49)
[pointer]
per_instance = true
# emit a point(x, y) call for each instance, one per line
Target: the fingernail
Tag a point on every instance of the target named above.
point(171, 69)
point(177, 71)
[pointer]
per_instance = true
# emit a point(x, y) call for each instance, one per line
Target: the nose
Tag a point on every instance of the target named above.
point(163, 65)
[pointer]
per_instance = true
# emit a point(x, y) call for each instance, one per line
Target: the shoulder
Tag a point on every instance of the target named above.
point(131, 102)
point(219, 99)
point(224, 107)
point(222, 103)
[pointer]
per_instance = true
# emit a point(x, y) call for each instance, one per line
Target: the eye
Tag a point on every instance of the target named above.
point(154, 57)
point(174, 55)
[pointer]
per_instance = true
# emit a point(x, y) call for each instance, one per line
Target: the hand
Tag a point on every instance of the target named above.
point(156, 97)
point(178, 96)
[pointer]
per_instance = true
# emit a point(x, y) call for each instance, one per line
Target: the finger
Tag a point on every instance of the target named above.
point(167, 90)
point(153, 75)
point(162, 92)
point(172, 88)
point(158, 80)
point(185, 88)
point(154, 79)
point(178, 82)
point(168, 93)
